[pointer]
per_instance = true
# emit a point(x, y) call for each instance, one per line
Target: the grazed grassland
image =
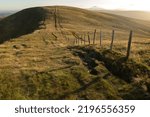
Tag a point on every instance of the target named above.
point(44, 63)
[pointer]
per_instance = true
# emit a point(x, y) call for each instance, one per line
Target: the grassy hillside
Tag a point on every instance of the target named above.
point(71, 18)
point(142, 15)
point(1, 18)
point(39, 59)
point(21, 23)
point(85, 20)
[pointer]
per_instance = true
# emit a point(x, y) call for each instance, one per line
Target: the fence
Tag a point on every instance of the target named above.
point(87, 39)
point(81, 39)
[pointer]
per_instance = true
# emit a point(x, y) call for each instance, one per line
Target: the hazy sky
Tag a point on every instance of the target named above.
point(108, 4)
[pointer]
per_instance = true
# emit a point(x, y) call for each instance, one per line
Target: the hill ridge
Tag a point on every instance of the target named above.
point(29, 20)
point(21, 23)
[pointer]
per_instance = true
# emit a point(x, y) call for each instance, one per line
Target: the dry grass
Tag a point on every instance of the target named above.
point(140, 48)
point(39, 65)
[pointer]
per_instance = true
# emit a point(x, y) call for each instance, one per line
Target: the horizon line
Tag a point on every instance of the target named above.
point(89, 8)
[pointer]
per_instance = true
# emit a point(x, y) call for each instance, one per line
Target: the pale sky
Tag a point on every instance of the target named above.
point(107, 4)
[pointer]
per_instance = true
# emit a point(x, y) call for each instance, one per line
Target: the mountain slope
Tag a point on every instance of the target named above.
point(131, 14)
point(80, 18)
point(21, 23)
point(28, 20)
point(142, 15)
point(45, 59)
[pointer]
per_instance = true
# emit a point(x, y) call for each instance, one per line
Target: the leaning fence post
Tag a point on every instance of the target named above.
point(112, 41)
point(129, 44)
point(94, 36)
point(100, 38)
point(89, 38)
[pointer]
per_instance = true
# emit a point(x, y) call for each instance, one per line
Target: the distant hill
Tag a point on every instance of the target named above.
point(143, 15)
point(6, 13)
point(96, 8)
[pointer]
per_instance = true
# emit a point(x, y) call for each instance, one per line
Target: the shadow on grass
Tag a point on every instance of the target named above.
point(116, 63)
point(87, 59)
point(21, 23)
point(82, 88)
point(125, 69)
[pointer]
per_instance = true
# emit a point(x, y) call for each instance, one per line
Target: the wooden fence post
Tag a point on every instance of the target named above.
point(78, 41)
point(112, 41)
point(129, 44)
point(100, 38)
point(55, 17)
point(84, 38)
point(81, 39)
point(94, 36)
point(89, 38)
point(74, 41)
